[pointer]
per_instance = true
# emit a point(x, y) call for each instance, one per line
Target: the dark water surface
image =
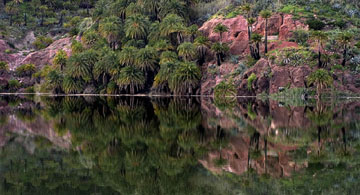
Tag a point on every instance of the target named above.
point(140, 145)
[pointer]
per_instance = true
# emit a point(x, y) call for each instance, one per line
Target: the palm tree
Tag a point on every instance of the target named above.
point(187, 51)
point(192, 31)
point(219, 49)
point(168, 7)
point(151, 7)
point(55, 80)
point(146, 59)
point(185, 77)
point(106, 66)
point(220, 28)
point(255, 51)
point(161, 80)
point(118, 8)
point(127, 56)
point(131, 78)
point(321, 78)
point(71, 85)
point(247, 9)
point(345, 39)
point(60, 59)
point(266, 14)
point(321, 38)
point(250, 22)
point(11, 9)
point(168, 56)
point(80, 65)
point(163, 45)
point(202, 44)
point(172, 25)
point(136, 26)
point(110, 29)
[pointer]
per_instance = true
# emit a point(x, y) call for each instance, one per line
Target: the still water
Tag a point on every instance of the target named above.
point(141, 145)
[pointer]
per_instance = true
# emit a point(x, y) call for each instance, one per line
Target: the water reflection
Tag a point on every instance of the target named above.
point(129, 145)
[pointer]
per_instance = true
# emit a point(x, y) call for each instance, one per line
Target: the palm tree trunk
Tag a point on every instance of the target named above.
point(319, 55)
point(218, 58)
point(25, 19)
point(266, 36)
point(132, 90)
point(249, 33)
point(344, 56)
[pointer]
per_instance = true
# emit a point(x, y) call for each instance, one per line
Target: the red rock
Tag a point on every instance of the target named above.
point(237, 37)
point(45, 56)
point(289, 25)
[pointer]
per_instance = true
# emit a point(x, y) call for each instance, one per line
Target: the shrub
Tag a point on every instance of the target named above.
point(30, 89)
point(294, 57)
point(4, 67)
point(25, 70)
point(224, 89)
point(14, 85)
point(42, 42)
point(8, 51)
point(76, 47)
point(250, 61)
point(250, 81)
point(239, 70)
point(315, 24)
point(300, 36)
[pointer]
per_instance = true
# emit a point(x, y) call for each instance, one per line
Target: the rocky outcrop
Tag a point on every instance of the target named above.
point(237, 36)
point(39, 58)
point(261, 84)
point(45, 56)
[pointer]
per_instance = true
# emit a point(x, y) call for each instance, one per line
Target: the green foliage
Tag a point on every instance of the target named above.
point(224, 89)
point(315, 24)
point(60, 59)
point(321, 79)
point(250, 81)
point(185, 78)
point(294, 57)
point(25, 70)
point(4, 67)
point(42, 42)
point(14, 85)
point(301, 37)
point(131, 78)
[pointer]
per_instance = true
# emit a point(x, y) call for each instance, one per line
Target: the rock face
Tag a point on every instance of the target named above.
point(45, 56)
point(39, 58)
point(269, 78)
point(237, 37)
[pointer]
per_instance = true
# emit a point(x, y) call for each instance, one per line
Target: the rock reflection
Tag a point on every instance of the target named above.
point(133, 145)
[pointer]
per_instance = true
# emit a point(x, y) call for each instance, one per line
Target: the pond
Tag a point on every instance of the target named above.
point(162, 145)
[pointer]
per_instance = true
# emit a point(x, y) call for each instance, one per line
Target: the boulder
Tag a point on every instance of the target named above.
point(45, 56)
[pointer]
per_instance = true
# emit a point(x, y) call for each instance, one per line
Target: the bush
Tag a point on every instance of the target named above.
point(250, 81)
point(294, 57)
point(224, 89)
point(42, 42)
point(300, 36)
point(250, 61)
point(315, 24)
point(4, 67)
point(25, 70)
point(14, 85)
point(239, 70)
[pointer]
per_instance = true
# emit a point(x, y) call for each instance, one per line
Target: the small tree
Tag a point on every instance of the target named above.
point(255, 51)
point(345, 39)
point(220, 28)
point(321, 79)
point(320, 37)
point(266, 14)
point(219, 49)
point(60, 59)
